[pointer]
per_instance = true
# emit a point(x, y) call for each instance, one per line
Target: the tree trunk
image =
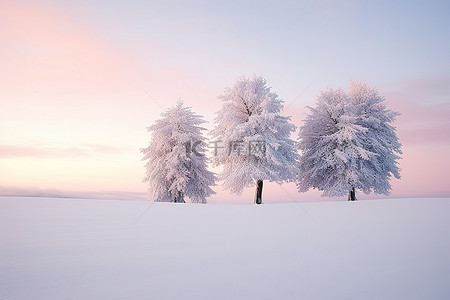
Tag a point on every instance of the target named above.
point(258, 195)
point(179, 198)
point(352, 195)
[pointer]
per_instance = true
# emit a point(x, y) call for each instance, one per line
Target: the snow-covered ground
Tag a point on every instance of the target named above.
point(100, 249)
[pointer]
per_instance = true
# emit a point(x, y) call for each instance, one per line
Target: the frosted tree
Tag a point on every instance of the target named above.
point(255, 138)
point(378, 137)
point(330, 146)
point(176, 166)
point(347, 143)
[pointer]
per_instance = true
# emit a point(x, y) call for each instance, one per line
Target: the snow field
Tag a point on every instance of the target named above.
point(100, 249)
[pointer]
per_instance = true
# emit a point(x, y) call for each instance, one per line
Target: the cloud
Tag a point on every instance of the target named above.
point(7, 151)
point(423, 90)
point(46, 50)
point(424, 105)
point(55, 193)
point(51, 58)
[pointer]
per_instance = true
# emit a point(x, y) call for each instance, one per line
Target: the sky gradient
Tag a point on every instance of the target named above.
point(81, 80)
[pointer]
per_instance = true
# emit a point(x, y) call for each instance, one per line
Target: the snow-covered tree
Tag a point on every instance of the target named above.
point(379, 137)
point(255, 138)
point(347, 143)
point(176, 166)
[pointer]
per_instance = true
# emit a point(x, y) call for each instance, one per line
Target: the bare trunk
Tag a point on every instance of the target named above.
point(258, 195)
point(179, 198)
point(352, 195)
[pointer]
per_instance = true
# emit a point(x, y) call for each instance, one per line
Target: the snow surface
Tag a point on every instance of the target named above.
point(100, 249)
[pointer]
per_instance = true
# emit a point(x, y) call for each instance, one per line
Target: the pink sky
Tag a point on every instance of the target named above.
point(78, 88)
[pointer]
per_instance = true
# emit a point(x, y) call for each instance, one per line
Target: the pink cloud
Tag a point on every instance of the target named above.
point(48, 51)
point(49, 56)
point(58, 152)
point(425, 109)
point(424, 130)
point(424, 90)
point(56, 193)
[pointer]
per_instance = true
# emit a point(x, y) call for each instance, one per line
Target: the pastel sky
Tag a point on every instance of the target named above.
point(81, 80)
